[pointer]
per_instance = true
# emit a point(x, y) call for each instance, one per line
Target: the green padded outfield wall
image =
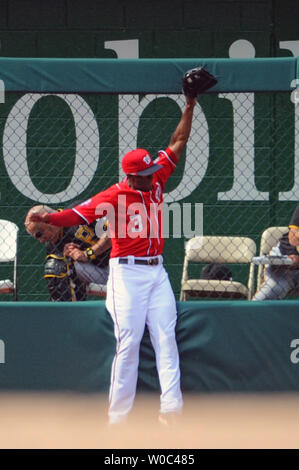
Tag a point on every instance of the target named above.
point(175, 29)
point(233, 347)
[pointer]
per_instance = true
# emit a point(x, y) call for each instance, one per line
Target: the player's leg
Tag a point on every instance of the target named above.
point(60, 290)
point(127, 300)
point(62, 283)
point(279, 282)
point(161, 322)
point(88, 273)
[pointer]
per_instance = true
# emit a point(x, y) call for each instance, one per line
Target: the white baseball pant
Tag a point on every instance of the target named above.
point(139, 295)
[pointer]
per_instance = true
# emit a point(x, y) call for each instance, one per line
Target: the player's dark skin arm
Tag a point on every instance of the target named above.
point(181, 135)
point(177, 144)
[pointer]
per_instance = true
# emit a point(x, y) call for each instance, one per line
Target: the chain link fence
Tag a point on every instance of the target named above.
point(238, 175)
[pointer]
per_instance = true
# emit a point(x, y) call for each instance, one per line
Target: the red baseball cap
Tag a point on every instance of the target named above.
point(139, 163)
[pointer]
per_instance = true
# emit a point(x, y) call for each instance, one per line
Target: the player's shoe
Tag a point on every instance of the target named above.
point(170, 419)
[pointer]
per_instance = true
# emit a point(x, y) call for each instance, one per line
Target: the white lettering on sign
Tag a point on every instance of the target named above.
point(2, 352)
point(15, 150)
point(2, 92)
point(244, 188)
point(87, 143)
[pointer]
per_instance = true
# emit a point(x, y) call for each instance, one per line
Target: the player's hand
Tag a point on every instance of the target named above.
point(38, 217)
point(73, 251)
point(68, 247)
point(76, 254)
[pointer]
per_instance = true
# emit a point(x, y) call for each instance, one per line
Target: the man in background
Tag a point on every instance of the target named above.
point(76, 256)
point(281, 280)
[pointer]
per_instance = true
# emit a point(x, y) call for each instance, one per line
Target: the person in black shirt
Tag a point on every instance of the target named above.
point(281, 280)
point(75, 256)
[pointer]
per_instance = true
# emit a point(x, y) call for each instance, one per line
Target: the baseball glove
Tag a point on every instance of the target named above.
point(197, 81)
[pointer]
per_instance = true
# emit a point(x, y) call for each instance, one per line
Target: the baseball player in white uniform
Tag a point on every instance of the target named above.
point(138, 290)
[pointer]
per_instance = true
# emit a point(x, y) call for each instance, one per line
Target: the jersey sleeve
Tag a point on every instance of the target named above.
point(295, 219)
point(168, 159)
point(100, 205)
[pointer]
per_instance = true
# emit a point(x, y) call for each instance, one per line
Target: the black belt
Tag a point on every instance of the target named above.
point(146, 262)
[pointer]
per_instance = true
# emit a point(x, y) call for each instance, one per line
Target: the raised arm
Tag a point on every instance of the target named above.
point(181, 135)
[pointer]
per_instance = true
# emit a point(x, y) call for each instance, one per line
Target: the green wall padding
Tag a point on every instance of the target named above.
point(230, 346)
point(143, 75)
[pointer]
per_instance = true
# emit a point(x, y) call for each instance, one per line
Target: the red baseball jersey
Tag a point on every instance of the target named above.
point(135, 217)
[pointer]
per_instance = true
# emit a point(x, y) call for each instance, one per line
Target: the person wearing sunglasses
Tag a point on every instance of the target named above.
point(75, 256)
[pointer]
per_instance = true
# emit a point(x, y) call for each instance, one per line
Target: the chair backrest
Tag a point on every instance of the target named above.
point(8, 240)
point(8, 253)
point(270, 238)
point(218, 249)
